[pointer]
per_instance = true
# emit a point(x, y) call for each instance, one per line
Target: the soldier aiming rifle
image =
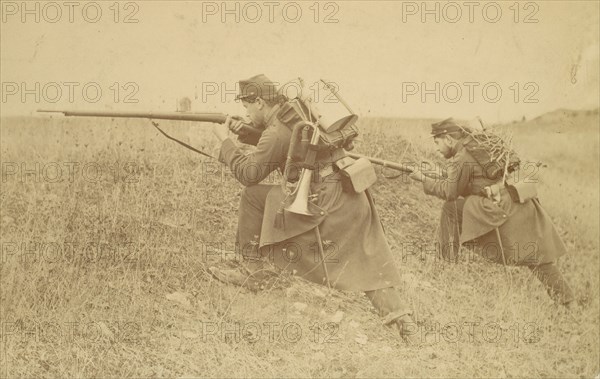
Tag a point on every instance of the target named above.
point(329, 201)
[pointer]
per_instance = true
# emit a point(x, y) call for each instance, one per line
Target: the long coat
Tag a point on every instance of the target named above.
point(357, 254)
point(528, 236)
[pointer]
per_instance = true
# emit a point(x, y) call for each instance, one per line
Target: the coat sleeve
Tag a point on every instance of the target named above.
point(252, 168)
point(455, 184)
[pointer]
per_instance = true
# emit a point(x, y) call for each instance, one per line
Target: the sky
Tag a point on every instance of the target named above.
point(498, 60)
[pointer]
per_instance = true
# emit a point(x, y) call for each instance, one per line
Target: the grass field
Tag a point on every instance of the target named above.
point(108, 230)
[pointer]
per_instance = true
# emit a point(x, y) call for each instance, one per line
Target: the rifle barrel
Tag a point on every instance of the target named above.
point(218, 118)
point(381, 162)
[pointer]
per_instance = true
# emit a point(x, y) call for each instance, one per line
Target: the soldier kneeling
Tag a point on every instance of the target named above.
point(267, 230)
point(479, 209)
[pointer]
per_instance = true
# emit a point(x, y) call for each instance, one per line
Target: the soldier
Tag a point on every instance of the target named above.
point(480, 211)
point(358, 256)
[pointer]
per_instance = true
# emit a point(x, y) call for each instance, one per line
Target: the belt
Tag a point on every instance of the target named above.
point(326, 170)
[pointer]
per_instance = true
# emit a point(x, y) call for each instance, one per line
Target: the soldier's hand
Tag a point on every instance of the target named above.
point(236, 123)
point(417, 175)
point(428, 164)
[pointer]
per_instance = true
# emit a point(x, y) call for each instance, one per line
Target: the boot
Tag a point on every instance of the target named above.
point(405, 324)
point(252, 276)
point(555, 284)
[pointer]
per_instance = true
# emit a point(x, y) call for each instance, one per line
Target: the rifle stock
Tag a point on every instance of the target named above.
point(249, 134)
point(381, 162)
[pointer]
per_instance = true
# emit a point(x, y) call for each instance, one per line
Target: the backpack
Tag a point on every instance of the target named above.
point(492, 153)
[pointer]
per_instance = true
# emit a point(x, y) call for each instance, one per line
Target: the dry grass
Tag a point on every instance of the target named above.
point(105, 275)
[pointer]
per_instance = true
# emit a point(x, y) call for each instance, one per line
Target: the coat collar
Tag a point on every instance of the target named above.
point(271, 115)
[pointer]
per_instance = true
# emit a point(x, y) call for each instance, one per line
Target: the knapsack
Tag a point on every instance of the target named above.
point(492, 153)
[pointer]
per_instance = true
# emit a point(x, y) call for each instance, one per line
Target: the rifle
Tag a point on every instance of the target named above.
point(248, 134)
point(393, 165)
point(381, 162)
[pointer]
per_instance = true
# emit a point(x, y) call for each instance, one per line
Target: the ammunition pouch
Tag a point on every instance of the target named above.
point(357, 175)
point(521, 192)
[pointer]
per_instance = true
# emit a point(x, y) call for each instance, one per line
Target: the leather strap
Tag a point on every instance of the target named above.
point(181, 142)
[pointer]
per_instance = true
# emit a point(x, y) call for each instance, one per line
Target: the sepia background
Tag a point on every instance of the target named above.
point(108, 228)
point(368, 50)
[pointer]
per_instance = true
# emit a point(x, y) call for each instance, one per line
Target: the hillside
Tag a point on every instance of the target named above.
point(108, 230)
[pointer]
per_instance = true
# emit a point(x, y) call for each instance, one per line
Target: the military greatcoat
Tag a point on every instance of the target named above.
point(356, 253)
point(527, 235)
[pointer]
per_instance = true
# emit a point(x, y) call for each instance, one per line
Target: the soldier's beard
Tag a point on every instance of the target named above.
point(449, 154)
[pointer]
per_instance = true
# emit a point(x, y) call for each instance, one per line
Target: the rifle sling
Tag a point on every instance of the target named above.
point(181, 142)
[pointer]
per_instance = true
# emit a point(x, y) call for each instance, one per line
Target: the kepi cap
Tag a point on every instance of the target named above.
point(443, 127)
point(257, 86)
